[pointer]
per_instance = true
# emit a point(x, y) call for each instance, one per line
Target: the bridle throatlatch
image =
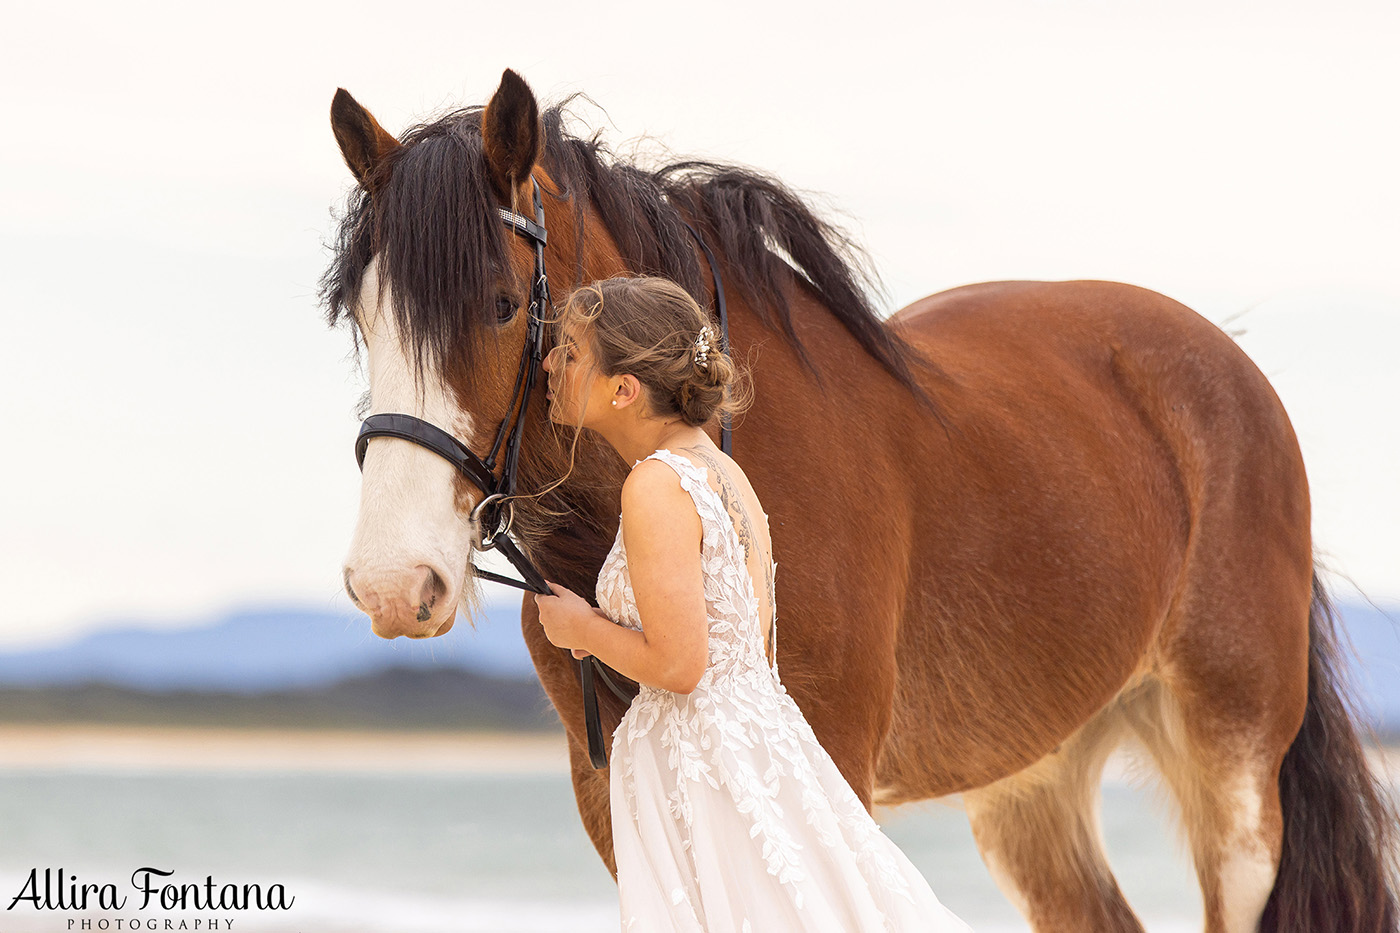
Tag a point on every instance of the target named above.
point(493, 515)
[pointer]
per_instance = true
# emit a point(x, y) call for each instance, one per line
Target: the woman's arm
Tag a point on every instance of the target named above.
point(661, 533)
point(630, 653)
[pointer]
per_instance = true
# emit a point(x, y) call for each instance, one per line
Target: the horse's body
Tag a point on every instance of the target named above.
point(1093, 523)
point(1058, 536)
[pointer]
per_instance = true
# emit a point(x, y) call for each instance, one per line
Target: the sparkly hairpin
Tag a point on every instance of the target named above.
point(703, 346)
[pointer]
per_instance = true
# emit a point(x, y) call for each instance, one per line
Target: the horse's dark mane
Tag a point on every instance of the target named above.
point(443, 248)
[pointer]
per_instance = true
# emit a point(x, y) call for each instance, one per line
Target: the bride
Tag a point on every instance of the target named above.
point(727, 813)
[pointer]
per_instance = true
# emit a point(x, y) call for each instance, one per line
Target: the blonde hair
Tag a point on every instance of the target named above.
point(650, 327)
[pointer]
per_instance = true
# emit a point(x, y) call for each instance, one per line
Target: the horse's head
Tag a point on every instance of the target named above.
point(436, 286)
point(437, 290)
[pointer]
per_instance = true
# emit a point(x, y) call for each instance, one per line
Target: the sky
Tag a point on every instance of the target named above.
point(179, 420)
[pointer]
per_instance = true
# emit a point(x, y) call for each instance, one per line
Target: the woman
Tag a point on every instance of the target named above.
point(727, 813)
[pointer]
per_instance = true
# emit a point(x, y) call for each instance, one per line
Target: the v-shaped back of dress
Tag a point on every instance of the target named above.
point(735, 634)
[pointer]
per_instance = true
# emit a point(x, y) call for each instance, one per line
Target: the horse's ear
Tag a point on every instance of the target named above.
point(512, 133)
point(363, 142)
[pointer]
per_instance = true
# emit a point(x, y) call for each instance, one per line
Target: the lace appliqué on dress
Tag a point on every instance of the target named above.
point(739, 747)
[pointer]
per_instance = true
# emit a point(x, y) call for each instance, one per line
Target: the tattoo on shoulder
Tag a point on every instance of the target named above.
point(730, 496)
point(734, 503)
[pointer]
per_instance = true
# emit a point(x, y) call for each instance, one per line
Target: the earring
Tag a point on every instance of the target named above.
point(614, 401)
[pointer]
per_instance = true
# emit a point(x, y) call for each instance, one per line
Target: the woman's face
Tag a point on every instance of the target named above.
point(576, 388)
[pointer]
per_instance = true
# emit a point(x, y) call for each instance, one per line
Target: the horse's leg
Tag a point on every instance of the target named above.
point(1223, 771)
point(1229, 687)
point(1038, 832)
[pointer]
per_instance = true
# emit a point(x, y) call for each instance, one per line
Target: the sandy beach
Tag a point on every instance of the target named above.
point(145, 749)
point(127, 748)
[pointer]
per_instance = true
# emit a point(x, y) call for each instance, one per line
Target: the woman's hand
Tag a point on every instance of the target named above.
point(565, 617)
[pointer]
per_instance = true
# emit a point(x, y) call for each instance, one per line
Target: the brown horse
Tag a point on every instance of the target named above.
point(1021, 521)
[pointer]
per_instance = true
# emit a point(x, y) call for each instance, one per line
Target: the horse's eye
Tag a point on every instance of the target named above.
point(505, 310)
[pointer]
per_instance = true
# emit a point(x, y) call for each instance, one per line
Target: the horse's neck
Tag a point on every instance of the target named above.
point(573, 547)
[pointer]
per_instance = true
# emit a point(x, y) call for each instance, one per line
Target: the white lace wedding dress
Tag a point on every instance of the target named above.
point(728, 816)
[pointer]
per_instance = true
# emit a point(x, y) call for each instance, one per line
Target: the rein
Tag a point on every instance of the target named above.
point(495, 511)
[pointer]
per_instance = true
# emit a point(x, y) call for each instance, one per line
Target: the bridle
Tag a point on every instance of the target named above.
point(495, 511)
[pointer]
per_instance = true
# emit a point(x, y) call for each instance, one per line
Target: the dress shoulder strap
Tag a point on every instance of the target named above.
point(694, 480)
point(691, 474)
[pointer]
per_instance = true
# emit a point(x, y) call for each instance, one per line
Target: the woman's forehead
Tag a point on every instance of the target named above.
point(570, 332)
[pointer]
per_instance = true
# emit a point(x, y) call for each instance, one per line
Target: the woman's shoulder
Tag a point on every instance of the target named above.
point(653, 481)
point(656, 506)
point(689, 468)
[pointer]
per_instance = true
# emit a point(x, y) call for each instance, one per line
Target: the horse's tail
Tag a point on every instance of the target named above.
point(1337, 871)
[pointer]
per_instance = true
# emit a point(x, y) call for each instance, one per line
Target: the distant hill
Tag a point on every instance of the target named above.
point(326, 667)
point(396, 699)
point(260, 650)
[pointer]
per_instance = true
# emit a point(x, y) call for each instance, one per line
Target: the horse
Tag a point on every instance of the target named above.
point(1022, 522)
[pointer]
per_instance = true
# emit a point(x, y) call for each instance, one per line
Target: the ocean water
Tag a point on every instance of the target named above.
point(404, 853)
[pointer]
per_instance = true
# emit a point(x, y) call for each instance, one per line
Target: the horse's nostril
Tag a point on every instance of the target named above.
point(437, 587)
point(430, 590)
point(350, 590)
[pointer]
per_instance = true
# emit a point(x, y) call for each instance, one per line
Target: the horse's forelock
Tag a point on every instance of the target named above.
point(433, 224)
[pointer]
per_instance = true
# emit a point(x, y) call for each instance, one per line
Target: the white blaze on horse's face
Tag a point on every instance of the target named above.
point(408, 560)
